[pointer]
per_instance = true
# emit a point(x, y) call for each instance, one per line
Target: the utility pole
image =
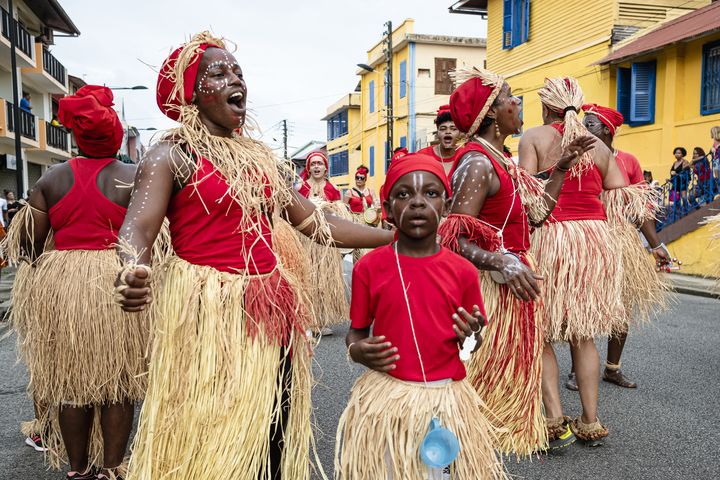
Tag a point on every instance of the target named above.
point(16, 111)
point(389, 91)
point(285, 138)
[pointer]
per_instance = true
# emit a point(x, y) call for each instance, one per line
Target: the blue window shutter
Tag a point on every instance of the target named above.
point(329, 129)
point(403, 79)
point(642, 93)
point(623, 92)
point(372, 161)
point(403, 142)
point(526, 22)
point(372, 96)
point(507, 24)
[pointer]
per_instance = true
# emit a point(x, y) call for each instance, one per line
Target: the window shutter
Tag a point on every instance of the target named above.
point(403, 142)
point(507, 24)
point(372, 161)
point(642, 98)
point(372, 96)
point(403, 79)
point(623, 92)
point(329, 129)
point(526, 21)
point(443, 82)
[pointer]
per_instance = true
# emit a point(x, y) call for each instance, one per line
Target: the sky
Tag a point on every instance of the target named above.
point(297, 57)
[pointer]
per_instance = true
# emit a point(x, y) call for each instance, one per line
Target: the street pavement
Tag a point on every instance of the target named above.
point(666, 429)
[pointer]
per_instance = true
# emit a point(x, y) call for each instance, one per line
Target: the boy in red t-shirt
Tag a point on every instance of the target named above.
point(417, 297)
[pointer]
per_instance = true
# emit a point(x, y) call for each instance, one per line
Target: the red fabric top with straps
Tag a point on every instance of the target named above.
point(580, 196)
point(85, 219)
point(358, 204)
point(332, 194)
point(504, 206)
point(430, 150)
point(630, 168)
point(205, 227)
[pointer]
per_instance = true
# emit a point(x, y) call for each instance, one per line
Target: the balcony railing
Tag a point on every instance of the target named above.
point(689, 190)
point(24, 40)
point(56, 137)
point(52, 66)
point(27, 122)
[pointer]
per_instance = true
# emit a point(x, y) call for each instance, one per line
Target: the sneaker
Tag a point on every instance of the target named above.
point(35, 442)
point(560, 436)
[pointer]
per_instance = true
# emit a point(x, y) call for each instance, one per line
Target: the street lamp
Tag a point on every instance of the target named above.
point(366, 67)
point(136, 87)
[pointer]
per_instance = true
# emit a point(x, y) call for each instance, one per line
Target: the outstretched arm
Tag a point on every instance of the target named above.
point(473, 182)
point(344, 233)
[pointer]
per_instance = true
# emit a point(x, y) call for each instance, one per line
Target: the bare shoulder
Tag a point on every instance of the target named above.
point(57, 173)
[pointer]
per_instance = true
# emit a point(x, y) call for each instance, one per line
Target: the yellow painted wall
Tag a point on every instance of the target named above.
point(697, 251)
point(678, 121)
point(557, 28)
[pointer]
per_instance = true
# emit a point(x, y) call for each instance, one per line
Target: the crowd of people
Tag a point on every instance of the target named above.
point(456, 307)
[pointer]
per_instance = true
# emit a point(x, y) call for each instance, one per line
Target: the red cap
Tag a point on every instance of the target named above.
point(412, 162)
point(95, 125)
point(609, 117)
point(401, 152)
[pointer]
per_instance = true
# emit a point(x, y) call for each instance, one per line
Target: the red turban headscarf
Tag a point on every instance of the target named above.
point(306, 173)
point(362, 170)
point(399, 153)
point(609, 117)
point(95, 125)
point(470, 102)
point(412, 162)
point(168, 99)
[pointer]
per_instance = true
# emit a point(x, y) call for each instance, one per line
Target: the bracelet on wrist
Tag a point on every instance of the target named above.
point(561, 169)
point(659, 247)
point(348, 356)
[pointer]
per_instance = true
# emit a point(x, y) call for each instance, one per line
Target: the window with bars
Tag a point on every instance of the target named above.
point(337, 125)
point(443, 82)
point(710, 97)
point(636, 93)
point(338, 163)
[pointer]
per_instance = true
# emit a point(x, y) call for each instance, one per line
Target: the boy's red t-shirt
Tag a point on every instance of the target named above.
point(436, 286)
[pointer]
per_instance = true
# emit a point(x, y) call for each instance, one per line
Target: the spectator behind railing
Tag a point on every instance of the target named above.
point(714, 157)
point(703, 175)
point(679, 179)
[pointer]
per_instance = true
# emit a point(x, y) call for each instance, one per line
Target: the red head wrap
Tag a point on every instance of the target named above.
point(412, 162)
point(470, 102)
point(168, 98)
point(609, 117)
point(362, 170)
point(316, 154)
point(399, 153)
point(95, 125)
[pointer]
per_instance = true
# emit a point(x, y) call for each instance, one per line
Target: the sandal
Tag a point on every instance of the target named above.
point(591, 435)
point(613, 374)
point(559, 433)
point(571, 383)
point(81, 476)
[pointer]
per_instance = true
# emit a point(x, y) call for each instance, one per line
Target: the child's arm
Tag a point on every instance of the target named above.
point(373, 352)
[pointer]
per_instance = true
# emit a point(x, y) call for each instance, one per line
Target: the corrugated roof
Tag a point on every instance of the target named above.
point(701, 22)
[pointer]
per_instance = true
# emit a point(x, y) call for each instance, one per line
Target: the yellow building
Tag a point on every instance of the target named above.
point(45, 79)
point(420, 85)
point(647, 58)
point(344, 139)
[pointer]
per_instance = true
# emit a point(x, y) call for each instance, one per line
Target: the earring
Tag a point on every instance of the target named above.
point(497, 130)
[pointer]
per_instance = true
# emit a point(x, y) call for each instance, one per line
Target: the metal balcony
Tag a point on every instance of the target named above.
point(24, 41)
point(27, 122)
point(53, 67)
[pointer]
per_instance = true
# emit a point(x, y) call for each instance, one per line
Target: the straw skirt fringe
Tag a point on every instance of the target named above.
point(326, 289)
point(506, 370)
point(582, 265)
point(386, 419)
point(215, 383)
point(644, 290)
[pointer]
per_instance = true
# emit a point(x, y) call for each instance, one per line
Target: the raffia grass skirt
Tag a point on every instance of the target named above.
point(506, 370)
point(326, 289)
point(215, 383)
point(582, 265)
point(386, 419)
point(644, 290)
point(79, 346)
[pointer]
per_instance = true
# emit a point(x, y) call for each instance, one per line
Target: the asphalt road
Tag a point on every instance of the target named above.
point(669, 428)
